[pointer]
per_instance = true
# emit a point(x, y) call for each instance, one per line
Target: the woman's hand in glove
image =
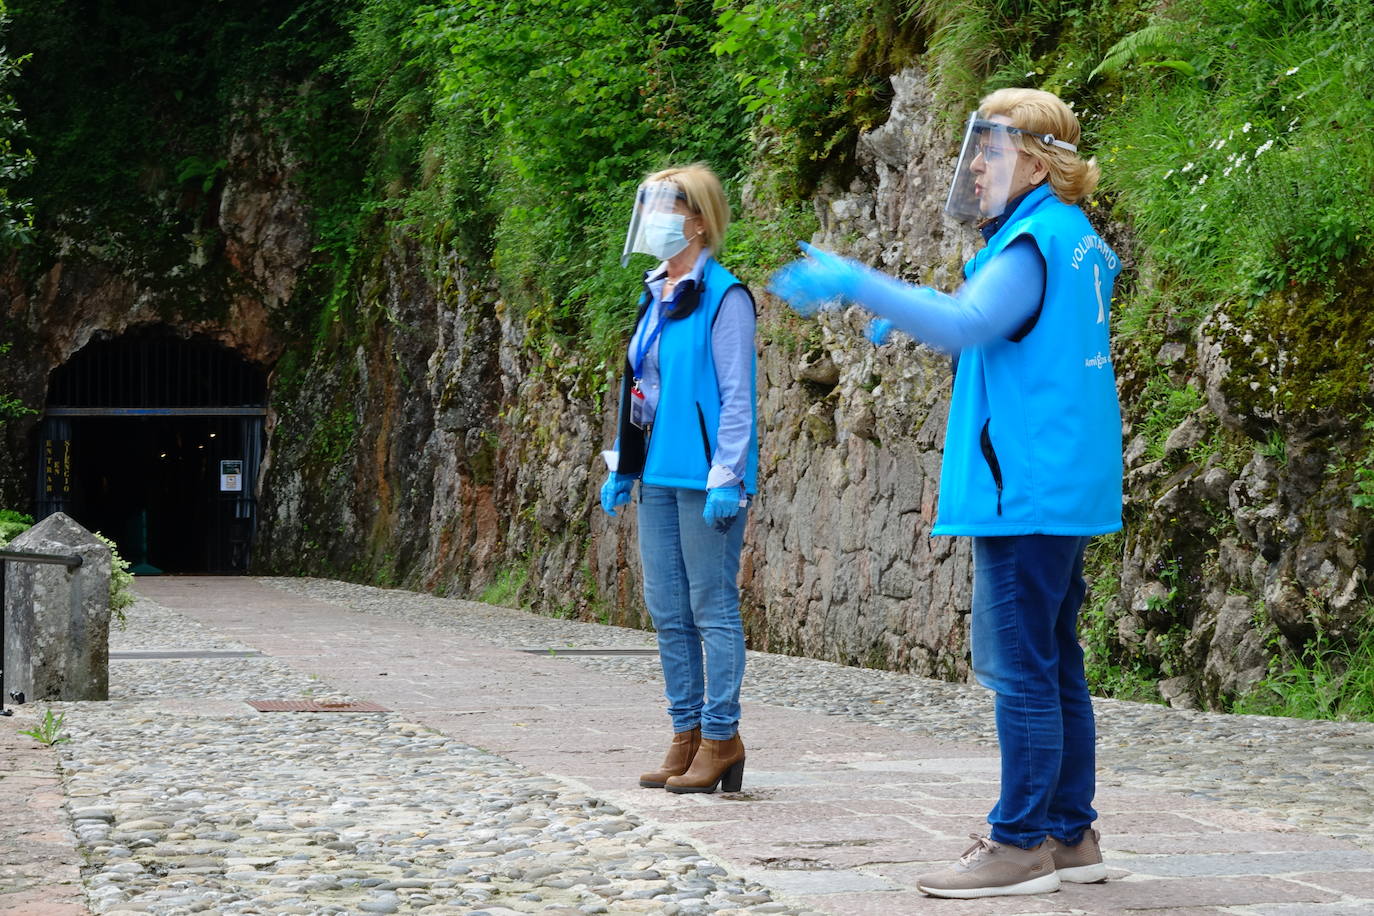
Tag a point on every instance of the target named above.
point(722, 505)
point(616, 491)
point(821, 280)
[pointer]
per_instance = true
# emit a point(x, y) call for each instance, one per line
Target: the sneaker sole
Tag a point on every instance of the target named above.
point(1084, 874)
point(1044, 885)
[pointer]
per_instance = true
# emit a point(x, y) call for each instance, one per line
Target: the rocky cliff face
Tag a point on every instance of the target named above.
point(246, 242)
point(417, 440)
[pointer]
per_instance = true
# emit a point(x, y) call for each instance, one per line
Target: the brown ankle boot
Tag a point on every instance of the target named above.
point(678, 759)
point(716, 762)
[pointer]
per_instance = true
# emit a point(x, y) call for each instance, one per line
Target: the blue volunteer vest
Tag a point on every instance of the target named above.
point(1033, 441)
point(679, 449)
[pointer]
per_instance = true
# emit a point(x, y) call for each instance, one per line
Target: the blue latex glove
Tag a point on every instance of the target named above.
point(817, 282)
point(722, 505)
point(879, 330)
point(616, 491)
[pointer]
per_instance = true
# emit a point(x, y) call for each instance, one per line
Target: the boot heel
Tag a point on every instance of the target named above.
point(732, 778)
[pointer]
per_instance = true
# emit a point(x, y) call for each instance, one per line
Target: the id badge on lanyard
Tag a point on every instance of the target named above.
point(639, 405)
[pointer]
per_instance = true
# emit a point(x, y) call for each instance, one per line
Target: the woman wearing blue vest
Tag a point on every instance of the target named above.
point(687, 433)
point(1031, 467)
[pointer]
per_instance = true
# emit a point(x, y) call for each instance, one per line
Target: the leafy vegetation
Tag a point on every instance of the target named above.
point(505, 589)
point(518, 138)
point(16, 160)
point(13, 523)
point(1113, 669)
point(48, 730)
point(1244, 164)
point(1168, 407)
point(1328, 678)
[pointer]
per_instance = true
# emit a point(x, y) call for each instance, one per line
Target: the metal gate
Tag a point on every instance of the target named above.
point(159, 439)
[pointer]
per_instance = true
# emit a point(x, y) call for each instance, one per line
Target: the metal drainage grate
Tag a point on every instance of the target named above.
point(315, 706)
point(559, 650)
point(180, 653)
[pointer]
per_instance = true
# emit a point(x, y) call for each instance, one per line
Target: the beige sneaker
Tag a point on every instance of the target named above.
point(1081, 864)
point(991, 869)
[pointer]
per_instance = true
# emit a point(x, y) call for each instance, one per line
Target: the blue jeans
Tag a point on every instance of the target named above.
point(690, 570)
point(1026, 594)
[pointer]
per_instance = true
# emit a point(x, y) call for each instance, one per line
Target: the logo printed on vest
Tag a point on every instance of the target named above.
point(1092, 242)
point(1097, 285)
point(1096, 362)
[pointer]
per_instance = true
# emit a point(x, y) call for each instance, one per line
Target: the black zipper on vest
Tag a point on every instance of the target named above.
point(705, 436)
point(990, 456)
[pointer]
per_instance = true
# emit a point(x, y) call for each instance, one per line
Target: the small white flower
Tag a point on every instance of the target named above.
point(1187, 168)
point(1168, 173)
point(1202, 181)
point(1226, 172)
point(1246, 128)
point(1290, 71)
point(1264, 148)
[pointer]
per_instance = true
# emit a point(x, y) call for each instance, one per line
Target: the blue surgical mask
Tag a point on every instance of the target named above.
point(663, 234)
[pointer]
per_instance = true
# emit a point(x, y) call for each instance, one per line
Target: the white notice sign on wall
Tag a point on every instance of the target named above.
point(231, 476)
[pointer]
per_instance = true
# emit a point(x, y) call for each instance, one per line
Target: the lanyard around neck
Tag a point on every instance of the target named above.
point(649, 340)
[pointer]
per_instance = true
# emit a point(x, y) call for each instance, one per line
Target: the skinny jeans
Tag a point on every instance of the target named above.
point(690, 588)
point(1027, 592)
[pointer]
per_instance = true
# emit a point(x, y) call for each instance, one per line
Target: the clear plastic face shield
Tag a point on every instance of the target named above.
point(983, 176)
point(655, 226)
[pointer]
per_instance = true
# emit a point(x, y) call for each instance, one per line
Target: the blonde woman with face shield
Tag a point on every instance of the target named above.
point(1031, 468)
point(687, 434)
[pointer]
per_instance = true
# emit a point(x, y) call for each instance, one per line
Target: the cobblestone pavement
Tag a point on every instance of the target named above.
point(1314, 775)
point(503, 781)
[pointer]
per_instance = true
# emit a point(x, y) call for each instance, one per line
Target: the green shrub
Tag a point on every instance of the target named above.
point(504, 590)
point(12, 523)
point(1325, 679)
point(1165, 408)
point(121, 582)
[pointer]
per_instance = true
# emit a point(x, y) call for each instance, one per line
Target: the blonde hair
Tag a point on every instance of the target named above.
point(705, 198)
point(1071, 176)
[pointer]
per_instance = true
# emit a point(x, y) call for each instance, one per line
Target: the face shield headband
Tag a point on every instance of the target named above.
point(655, 229)
point(987, 162)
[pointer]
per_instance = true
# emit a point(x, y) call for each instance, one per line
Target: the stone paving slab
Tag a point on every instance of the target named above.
point(39, 864)
point(841, 807)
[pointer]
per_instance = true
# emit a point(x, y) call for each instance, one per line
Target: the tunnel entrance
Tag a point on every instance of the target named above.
point(155, 441)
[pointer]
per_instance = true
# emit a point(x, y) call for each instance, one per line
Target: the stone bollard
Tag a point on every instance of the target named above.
point(57, 621)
